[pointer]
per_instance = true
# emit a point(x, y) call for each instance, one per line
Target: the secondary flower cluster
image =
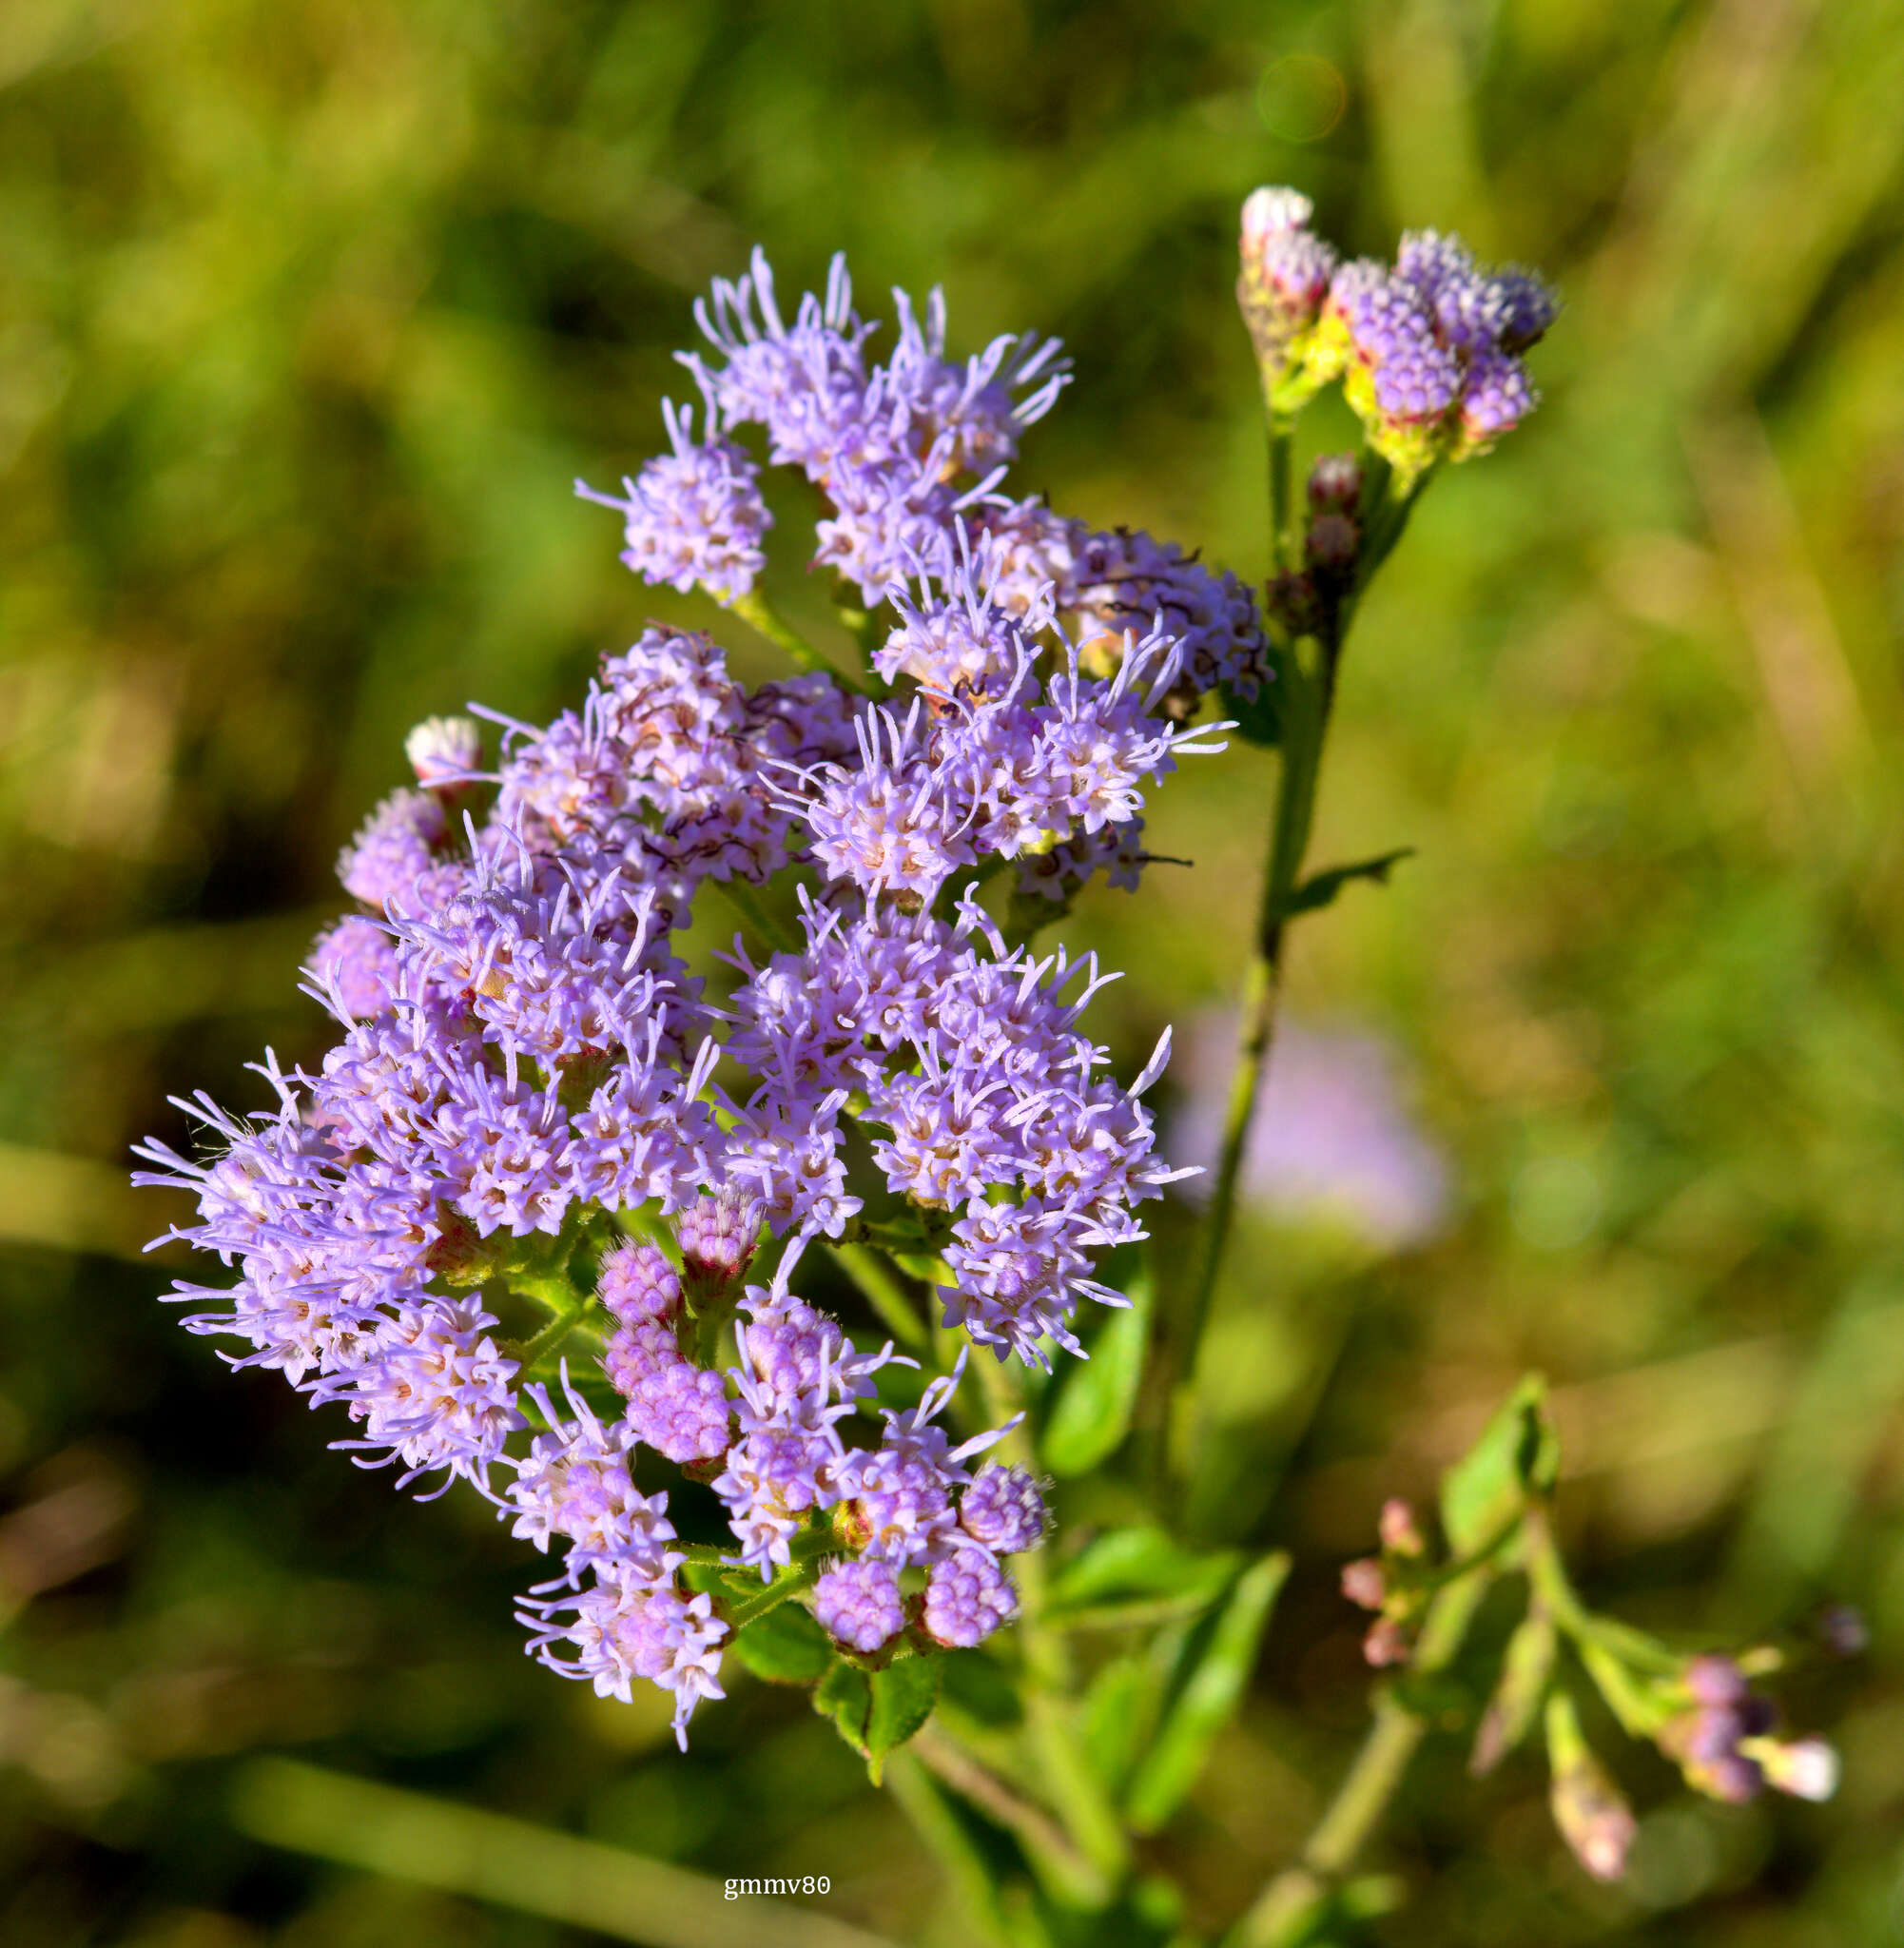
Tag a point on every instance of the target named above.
point(1429, 349)
point(525, 1070)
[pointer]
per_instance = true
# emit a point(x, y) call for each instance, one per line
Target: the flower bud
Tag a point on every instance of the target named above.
point(443, 750)
point(1400, 1536)
point(718, 1237)
point(1286, 270)
point(1806, 1768)
point(1589, 1809)
point(1335, 483)
point(1363, 1583)
point(1594, 1820)
point(1332, 544)
point(1715, 1679)
point(1387, 1643)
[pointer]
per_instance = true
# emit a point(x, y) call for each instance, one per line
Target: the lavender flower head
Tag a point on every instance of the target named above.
point(694, 515)
point(527, 1096)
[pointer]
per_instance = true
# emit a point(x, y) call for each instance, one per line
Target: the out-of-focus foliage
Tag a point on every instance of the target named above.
point(309, 314)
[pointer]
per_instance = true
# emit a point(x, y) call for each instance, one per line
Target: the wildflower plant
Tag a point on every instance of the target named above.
point(544, 1219)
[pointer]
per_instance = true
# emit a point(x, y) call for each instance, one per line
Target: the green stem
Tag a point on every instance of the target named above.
point(1048, 1848)
point(778, 1592)
point(1282, 442)
point(708, 1333)
point(1074, 1789)
point(758, 612)
point(1310, 691)
point(1308, 702)
point(1287, 1910)
point(869, 1270)
point(938, 1825)
point(558, 1329)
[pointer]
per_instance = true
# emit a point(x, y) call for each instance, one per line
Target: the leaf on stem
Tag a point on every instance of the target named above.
point(785, 1647)
point(1515, 1460)
point(1517, 1697)
point(1136, 1564)
point(903, 1695)
point(1211, 1677)
point(1095, 1398)
point(878, 1711)
point(845, 1696)
point(1320, 888)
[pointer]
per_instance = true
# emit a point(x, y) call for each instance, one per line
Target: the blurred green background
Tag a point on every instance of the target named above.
point(309, 314)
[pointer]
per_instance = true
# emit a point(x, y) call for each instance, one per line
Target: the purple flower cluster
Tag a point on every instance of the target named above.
point(521, 1058)
point(1429, 350)
point(1724, 1742)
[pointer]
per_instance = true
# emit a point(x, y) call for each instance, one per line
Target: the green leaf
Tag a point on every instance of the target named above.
point(902, 1697)
point(785, 1647)
point(1090, 1414)
point(1120, 1709)
point(1516, 1458)
point(845, 1697)
point(1517, 1699)
point(1320, 888)
point(1258, 720)
point(1211, 1677)
point(1128, 1564)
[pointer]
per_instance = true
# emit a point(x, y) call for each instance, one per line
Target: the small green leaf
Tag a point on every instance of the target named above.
point(1517, 1698)
point(1516, 1458)
point(902, 1697)
point(845, 1697)
point(1090, 1414)
point(1211, 1677)
point(785, 1647)
point(1130, 1564)
point(1320, 888)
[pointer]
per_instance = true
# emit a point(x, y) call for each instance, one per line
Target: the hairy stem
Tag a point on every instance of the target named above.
point(1308, 697)
point(567, 1319)
point(783, 1586)
point(1288, 1909)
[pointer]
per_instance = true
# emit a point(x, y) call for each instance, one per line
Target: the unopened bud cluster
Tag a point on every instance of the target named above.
point(1428, 349)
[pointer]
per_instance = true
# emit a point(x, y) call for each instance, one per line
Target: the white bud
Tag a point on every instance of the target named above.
point(444, 749)
point(1806, 1768)
point(1265, 210)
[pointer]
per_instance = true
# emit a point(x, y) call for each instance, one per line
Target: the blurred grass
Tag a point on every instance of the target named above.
point(309, 315)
